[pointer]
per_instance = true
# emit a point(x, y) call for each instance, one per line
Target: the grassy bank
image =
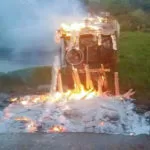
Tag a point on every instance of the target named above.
point(134, 65)
point(134, 68)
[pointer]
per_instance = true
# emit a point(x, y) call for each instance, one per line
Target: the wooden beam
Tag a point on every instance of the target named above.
point(116, 83)
point(94, 70)
point(59, 82)
point(100, 91)
point(89, 82)
point(76, 78)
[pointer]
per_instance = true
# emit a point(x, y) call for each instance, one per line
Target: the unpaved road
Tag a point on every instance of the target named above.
point(73, 141)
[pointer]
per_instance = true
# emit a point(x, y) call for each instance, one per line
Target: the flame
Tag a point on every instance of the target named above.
point(93, 23)
point(57, 128)
point(78, 93)
point(24, 103)
point(13, 99)
point(82, 94)
point(30, 124)
point(72, 27)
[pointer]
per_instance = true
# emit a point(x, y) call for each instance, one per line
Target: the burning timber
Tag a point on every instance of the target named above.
point(89, 50)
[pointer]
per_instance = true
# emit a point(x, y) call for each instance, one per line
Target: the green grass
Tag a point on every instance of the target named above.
point(134, 65)
point(21, 79)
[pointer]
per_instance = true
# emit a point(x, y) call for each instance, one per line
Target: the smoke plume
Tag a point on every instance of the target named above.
point(31, 23)
point(27, 30)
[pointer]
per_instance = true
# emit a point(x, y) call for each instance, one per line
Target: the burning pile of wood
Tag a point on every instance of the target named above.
point(98, 114)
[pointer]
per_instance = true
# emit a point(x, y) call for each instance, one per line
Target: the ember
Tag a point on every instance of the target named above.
point(57, 128)
point(24, 119)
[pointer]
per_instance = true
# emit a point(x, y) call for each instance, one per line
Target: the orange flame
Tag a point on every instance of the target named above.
point(72, 27)
point(57, 128)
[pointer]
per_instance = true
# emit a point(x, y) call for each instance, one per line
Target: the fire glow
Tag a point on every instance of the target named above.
point(57, 128)
point(92, 23)
point(57, 96)
point(73, 111)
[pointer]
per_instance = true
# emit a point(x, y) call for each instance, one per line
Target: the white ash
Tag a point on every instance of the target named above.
point(99, 115)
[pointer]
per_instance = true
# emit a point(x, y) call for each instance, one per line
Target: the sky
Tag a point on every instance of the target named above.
point(27, 27)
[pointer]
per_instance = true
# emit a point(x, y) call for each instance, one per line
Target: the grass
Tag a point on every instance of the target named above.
point(134, 65)
point(22, 79)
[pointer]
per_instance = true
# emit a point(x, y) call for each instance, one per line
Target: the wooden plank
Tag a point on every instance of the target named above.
point(116, 82)
point(76, 78)
point(100, 91)
point(94, 70)
point(59, 82)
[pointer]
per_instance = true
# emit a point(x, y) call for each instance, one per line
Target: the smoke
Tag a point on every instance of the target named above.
point(30, 24)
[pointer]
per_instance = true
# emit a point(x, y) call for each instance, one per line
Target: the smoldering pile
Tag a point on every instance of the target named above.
point(111, 115)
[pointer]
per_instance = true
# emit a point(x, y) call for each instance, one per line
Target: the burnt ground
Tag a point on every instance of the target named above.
point(73, 141)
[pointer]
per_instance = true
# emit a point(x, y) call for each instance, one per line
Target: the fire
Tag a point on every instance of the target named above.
point(92, 23)
point(57, 128)
point(79, 93)
point(82, 94)
point(30, 125)
point(25, 103)
point(72, 27)
point(13, 99)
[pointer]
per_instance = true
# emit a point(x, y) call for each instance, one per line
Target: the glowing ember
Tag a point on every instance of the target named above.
point(24, 119)
point(13, 99)
point(97, 114)
point(72, 27)
point(57, 129)
point(25, 103)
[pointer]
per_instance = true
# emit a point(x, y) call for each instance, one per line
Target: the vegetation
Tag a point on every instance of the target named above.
point(134, 63)
point(132, 14)
point(27, 78)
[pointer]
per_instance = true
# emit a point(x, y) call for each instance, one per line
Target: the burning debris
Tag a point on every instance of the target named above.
point(57, 113)
point(86, 107)
point(88, 49)
point(58, 129)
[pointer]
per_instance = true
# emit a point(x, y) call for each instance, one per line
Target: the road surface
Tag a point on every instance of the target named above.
point(73, 141)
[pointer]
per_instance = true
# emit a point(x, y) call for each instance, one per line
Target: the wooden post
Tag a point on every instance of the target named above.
point(116, 82)
point(76, 78)
point(89, 83)
point(104, 78)
point(54, 80)
point(59, 82)
point(74, 81)
point(55, 71)
point(99, 86)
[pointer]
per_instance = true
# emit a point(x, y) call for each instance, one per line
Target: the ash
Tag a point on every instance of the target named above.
point(103, 114)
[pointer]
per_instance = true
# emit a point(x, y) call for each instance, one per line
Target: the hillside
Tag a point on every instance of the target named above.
point(132, 14)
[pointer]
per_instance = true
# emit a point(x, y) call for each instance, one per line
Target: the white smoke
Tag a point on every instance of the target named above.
point(31, 23)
